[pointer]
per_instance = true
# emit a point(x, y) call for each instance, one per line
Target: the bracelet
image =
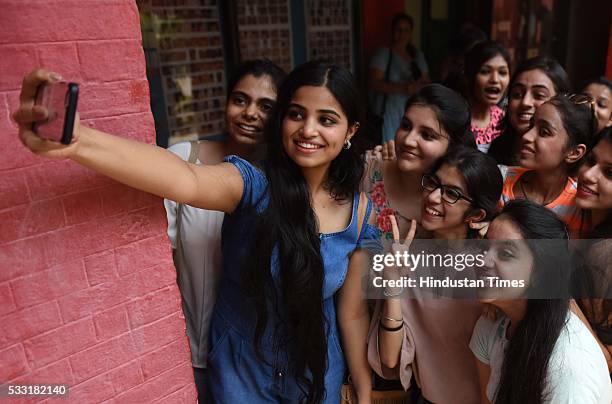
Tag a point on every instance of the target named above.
point(387, 294)
point(391, 329)
point(393, 319)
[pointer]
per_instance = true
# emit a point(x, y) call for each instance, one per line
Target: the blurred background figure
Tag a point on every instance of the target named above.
point(396, 72)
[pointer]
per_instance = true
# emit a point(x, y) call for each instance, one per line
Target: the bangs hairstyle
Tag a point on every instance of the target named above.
point(292, 232)
point(451, 109)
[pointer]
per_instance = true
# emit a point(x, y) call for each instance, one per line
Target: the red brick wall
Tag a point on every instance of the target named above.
point(87, 288)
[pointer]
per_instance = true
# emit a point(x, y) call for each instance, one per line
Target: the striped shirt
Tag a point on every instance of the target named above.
point(564, 205)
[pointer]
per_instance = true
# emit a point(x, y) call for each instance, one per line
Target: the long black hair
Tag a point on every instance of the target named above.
point(292, 233)
point(591, 279)
point(451, 109)
point(476, 57)
point(502, 149)
point(534, 338)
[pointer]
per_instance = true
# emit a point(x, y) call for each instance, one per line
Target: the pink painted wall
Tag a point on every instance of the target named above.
point(88, 295)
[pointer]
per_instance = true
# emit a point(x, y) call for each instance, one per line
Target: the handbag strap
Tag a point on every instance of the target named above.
point(361, 212)
point(193, 156)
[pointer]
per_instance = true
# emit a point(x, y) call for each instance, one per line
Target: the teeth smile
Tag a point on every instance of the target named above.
point(247, 127)
point(433, 212)
point(308, 145)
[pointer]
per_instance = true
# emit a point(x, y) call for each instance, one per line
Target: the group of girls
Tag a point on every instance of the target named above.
point(290, 319)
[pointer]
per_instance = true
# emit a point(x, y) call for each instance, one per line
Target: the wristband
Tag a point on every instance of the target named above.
point(391, 329)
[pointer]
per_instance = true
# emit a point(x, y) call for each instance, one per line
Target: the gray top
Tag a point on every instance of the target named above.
point(197, 258)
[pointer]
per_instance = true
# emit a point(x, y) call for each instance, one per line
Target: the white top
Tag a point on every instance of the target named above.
point(198, 267)
point(577, 370)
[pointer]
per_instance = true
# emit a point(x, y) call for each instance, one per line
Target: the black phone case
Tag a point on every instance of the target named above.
point(71, 107)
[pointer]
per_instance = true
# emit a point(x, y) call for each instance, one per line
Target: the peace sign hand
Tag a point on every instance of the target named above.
point(397, 244)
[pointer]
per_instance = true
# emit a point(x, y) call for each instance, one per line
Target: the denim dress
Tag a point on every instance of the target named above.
point(235, 373)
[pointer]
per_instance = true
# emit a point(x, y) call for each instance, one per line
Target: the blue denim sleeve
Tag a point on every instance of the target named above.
point(255, 184)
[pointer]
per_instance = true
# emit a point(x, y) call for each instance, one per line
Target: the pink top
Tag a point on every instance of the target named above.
point(437, 331)
point(484, 136)
point(435, 348)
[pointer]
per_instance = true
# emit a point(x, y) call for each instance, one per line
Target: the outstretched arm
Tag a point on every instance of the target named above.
point(146, 167)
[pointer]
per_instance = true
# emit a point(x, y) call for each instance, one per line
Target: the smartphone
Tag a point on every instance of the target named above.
point(60, 99)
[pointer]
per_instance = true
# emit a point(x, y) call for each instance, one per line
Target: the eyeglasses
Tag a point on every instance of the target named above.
point(449, 194)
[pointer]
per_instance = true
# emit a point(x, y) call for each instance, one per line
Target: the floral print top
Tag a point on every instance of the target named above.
point(375, 188)
point(484, 136)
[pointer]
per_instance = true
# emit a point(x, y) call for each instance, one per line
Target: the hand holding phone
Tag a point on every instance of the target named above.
point(60, 99)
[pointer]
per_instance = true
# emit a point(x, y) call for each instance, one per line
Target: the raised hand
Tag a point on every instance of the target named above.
point(28, 113)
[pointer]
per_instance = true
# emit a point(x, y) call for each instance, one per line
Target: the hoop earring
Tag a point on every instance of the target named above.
point(347, 144)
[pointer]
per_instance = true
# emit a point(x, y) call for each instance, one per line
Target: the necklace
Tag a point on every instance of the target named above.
point(522, 187)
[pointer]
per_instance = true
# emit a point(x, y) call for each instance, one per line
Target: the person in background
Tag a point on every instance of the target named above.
point(601, 91)
point(550, 153)
point(452, 68)
point(487, 72)
point(535, 81)
point(396, 72)
point(195, 234)
point(536, 350)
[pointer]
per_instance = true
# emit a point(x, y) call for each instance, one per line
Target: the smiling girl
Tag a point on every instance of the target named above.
point(549, 155)
point(428, 337)
point(195, 233)
point(287, 240)
point(435, 120)
point(601, 91)
point(534, 82)
point(593, 280)
point(487, 70)
point(537, 350)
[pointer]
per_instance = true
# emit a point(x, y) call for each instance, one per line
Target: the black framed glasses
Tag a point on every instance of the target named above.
point(450, 195)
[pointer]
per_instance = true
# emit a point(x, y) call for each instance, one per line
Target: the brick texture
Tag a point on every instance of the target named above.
point(88, 293)
point(329, 31)
point(183, 39)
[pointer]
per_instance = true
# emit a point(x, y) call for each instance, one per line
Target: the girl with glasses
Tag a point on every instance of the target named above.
point(435, 120)
point(429, 337)
point(534, 82)
point(549, 156)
